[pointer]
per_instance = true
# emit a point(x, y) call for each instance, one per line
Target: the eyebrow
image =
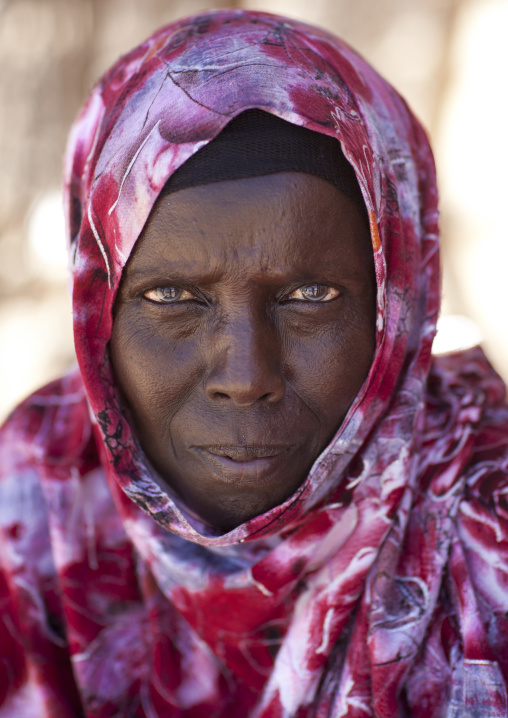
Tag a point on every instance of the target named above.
point(163, 272)
point(159, 271)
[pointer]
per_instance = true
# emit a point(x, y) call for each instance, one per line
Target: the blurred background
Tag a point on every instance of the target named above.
point(447, 57)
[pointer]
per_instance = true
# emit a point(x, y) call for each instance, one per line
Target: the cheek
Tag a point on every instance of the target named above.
point(154, 372)
point(329, 368)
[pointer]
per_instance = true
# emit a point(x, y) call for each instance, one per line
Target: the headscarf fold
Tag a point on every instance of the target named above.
point(379, 587)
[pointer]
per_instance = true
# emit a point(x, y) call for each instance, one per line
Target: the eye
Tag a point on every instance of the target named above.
point(314, 293)
point(168, 295)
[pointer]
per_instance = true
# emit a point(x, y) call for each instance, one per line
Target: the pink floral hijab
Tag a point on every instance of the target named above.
point(380, 588)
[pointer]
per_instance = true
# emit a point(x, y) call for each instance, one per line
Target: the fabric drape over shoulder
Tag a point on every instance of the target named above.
point(379, 588)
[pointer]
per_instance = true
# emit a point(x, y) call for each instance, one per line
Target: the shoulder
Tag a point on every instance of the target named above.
point(476, 398)
point(467, 412)
point(465, 444)
point(467, 439)
point(49, 434)
point(483, 510)
point(45, 434)
point(50, 424)
point(465, 435)
point(51, 427)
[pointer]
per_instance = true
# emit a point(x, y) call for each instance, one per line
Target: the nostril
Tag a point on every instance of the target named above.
point(242, 396)
point(220, 395)
point(245, 379)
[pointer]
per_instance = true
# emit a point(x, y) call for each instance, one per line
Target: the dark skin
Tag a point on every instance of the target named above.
point(244, 328)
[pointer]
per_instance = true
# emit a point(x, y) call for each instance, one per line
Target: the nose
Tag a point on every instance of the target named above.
point(245, 365)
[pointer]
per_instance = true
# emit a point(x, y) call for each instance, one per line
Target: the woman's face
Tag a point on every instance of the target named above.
point(244, 328)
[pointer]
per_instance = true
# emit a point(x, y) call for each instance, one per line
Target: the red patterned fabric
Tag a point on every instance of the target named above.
point(380, 587)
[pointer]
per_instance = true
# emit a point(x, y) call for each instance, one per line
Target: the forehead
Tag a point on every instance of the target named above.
point(287, 219)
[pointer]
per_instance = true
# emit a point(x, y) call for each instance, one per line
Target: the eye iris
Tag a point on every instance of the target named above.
point(314, 292)
point(168, 294)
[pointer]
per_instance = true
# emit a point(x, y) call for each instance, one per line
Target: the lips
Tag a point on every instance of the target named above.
point(245, 453)
point(243, 464)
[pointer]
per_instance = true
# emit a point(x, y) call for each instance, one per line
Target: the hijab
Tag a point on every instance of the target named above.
point(379, 587)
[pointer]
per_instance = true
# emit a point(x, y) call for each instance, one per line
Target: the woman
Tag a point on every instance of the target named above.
point(259, 495)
